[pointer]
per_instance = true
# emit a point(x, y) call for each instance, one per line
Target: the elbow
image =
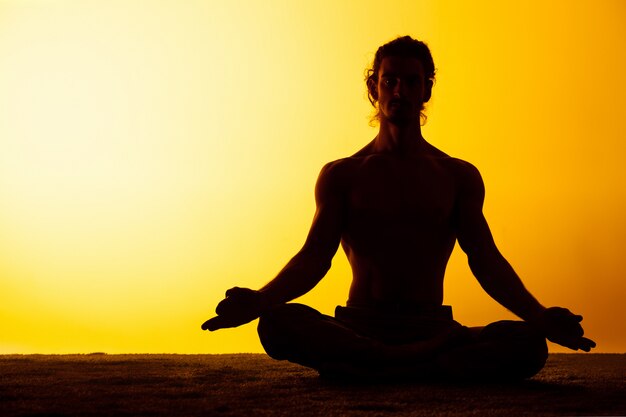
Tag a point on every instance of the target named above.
point(482, 269)
point(325, 265)
point(320, 268)
point(310, 268)
point(316, 260)
point(484, 258)
point(476, 264)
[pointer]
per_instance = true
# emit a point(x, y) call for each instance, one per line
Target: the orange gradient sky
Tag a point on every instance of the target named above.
point(155, 153)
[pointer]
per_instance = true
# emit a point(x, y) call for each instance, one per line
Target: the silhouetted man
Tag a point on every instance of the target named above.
point(397, 207)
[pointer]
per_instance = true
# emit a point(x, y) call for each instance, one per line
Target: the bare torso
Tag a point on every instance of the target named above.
point(398, 232)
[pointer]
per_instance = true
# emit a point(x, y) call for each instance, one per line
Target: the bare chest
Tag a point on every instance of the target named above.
point(402, 193)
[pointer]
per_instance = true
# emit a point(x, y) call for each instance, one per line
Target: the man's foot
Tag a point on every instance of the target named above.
point(424, 350)
point(399, 362)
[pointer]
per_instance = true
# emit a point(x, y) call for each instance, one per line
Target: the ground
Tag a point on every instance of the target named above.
point(254, 385)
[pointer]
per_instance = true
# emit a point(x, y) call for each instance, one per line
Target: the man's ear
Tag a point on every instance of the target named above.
point(372, 88)
point(428, 90)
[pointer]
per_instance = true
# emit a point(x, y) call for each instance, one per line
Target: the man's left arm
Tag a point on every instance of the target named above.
point(496, 275)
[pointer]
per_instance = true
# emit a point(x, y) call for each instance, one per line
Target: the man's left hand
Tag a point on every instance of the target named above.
point(563, 327)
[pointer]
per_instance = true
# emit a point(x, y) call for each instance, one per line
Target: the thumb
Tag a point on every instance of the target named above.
point(234, 291)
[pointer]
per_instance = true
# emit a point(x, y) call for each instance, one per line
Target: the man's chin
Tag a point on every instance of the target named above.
point(401, 120)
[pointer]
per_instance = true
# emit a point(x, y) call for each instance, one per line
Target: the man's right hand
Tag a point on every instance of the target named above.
point(241, 306)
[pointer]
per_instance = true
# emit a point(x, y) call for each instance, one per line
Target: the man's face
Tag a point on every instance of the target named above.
point(401, 89)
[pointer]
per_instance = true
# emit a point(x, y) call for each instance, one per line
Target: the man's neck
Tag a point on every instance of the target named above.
point(401, 140)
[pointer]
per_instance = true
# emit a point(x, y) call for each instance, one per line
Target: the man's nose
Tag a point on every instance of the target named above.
point(399, 88)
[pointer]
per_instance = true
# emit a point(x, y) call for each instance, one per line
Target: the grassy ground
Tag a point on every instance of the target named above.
point(254, 385)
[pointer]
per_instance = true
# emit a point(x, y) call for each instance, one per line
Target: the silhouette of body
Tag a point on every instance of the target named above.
point(397, 207)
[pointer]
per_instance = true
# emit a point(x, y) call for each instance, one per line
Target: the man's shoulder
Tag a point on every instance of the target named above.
point(459, 165)
point(334, 174)
point(466, 176)
point(341, 165)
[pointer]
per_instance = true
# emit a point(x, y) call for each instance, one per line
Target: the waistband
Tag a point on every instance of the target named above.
point(402, 308)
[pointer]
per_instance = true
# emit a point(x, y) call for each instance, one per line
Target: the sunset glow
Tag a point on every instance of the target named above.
point(155, 153)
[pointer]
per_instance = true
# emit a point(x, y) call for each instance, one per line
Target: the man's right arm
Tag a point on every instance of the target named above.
point(305, 269)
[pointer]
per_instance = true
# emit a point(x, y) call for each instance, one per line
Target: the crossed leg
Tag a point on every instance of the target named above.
point(501, 350)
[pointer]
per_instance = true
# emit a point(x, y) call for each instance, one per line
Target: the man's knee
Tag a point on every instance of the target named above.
point(526, 345)
point(283, 318)
point(278, 328)
point(518, 334)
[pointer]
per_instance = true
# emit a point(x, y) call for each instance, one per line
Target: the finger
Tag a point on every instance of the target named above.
point(209, 324)
point(561, 311)
point(591, 342)
point(571, 345)
point(215, 323)
point(576, 317)
point(587, 344)
point(232, 291)
point(583, 344)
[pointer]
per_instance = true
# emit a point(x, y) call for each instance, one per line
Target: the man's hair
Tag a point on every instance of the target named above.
point(404, 46)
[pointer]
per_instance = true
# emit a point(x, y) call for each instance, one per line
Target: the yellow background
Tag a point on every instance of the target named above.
point(155, 153)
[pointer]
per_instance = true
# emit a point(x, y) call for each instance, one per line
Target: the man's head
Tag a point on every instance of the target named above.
point(401, 78)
